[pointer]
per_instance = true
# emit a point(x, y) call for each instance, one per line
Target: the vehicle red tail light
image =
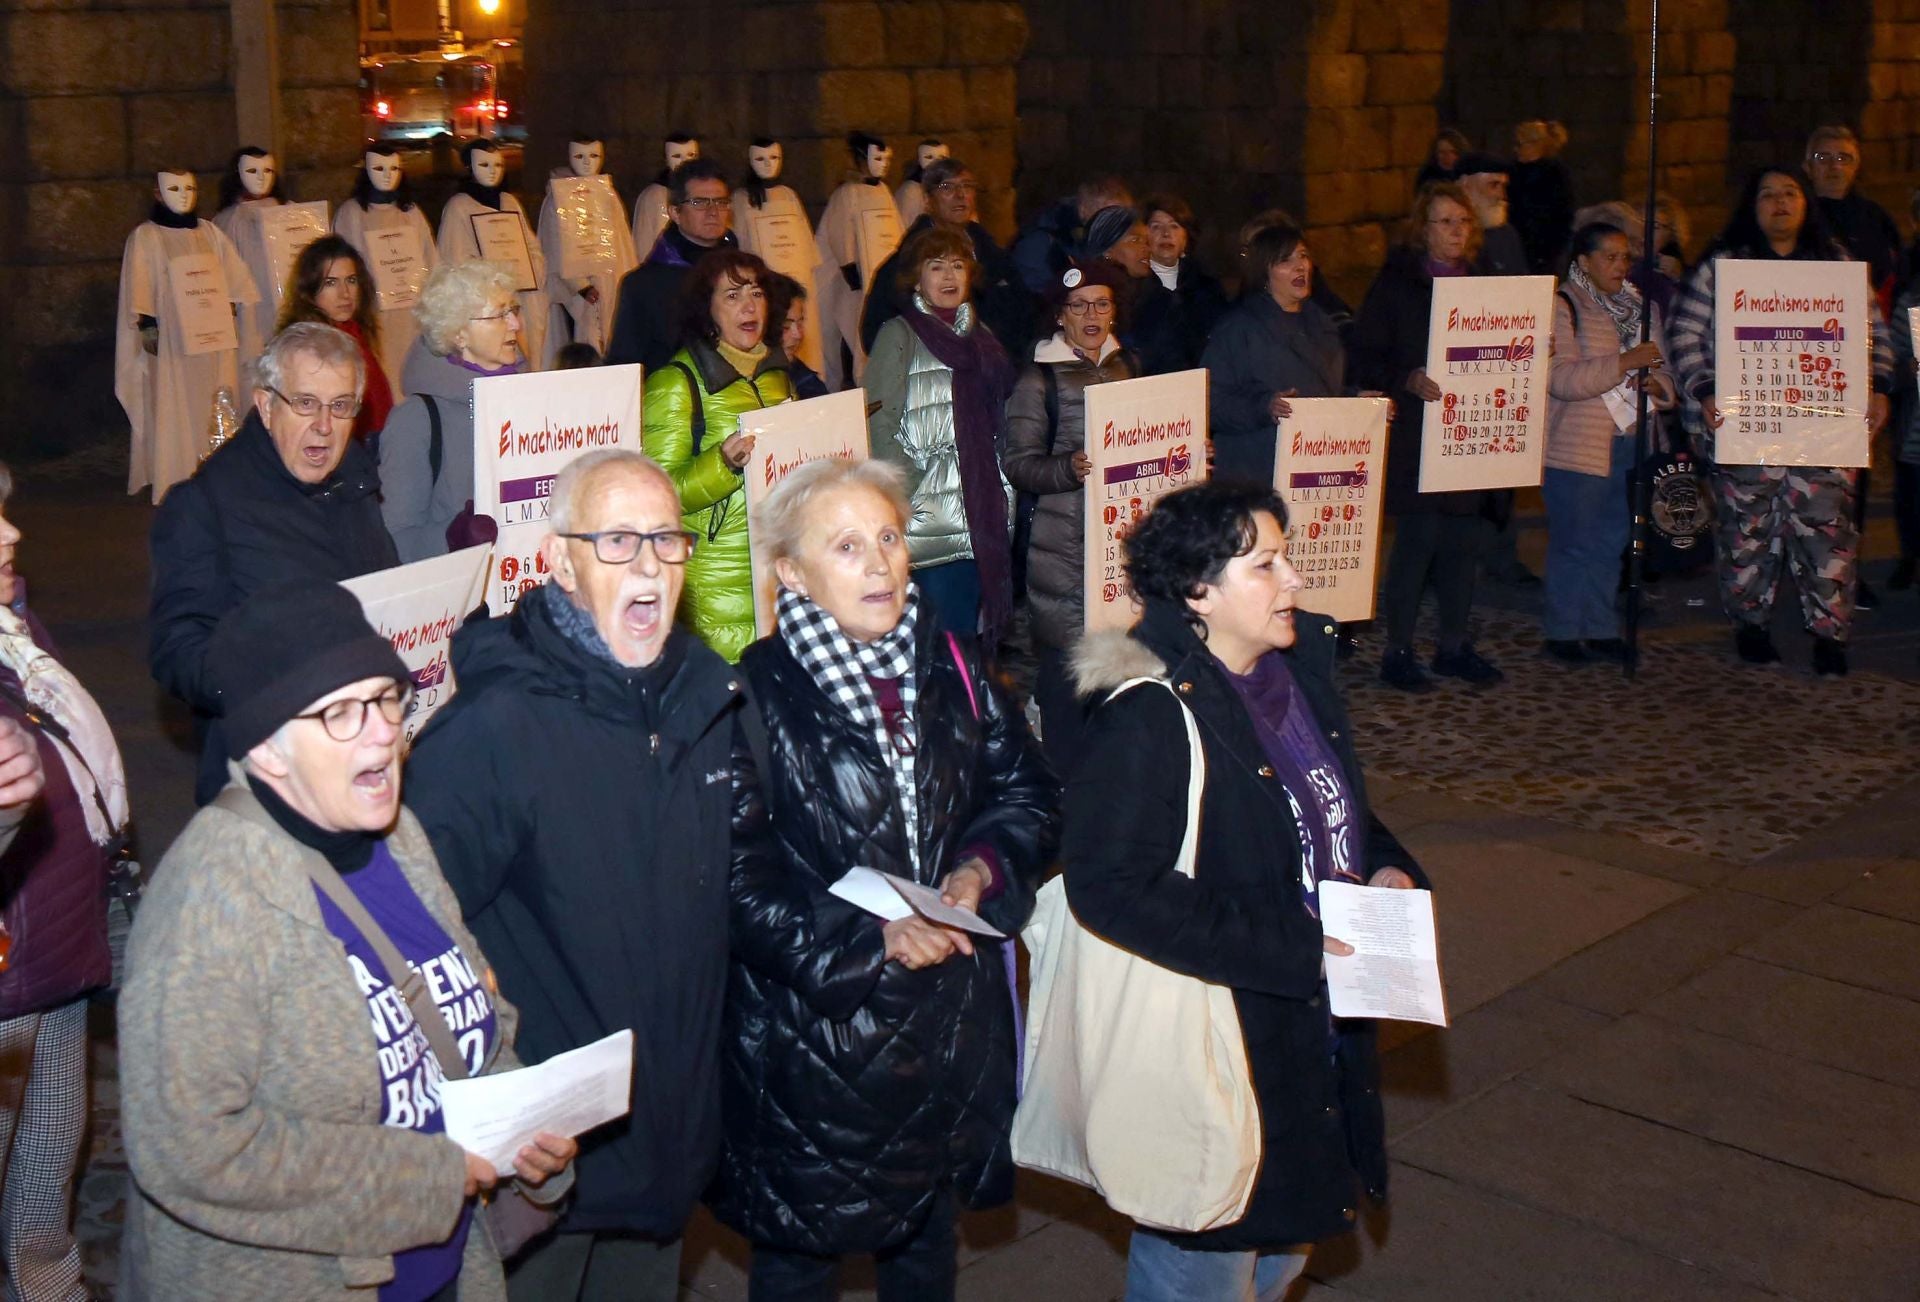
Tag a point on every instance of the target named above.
point(382, 109)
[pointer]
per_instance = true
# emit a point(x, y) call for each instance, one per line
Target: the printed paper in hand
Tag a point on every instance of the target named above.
point(202, 304)
point(1488, 349)
point(399, 266)
point(502, 237)
point(1145, 438)
point(786, 437)
point(287, 229)
point(1329, 467)
point(569, 1094)
point(1792, 366)
point(525, 429)
point(418, 607)
point(1394, 970)
point(869, 889)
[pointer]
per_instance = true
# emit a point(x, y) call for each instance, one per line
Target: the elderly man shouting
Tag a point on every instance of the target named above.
point(580, 791)
point(290, 498)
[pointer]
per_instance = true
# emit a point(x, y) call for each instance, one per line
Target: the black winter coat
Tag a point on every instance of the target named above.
point(1168, 328)
point(244, 523)
point(1241, 921)
point(855, 1089)
point(1387, 345)
point(1255, 353)
point(646, 318)
point(588, 820)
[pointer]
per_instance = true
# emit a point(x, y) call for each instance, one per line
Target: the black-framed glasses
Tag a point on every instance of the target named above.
point(706, 205)
point(346, 718)
point(957, 187)
point(1843, 159)
point(622, 546)
point(308, 405)
point(1099, 307)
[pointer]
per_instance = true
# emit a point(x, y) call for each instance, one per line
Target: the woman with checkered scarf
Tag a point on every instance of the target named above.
point(870, 1064)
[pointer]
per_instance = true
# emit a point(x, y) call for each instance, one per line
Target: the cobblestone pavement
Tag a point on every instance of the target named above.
point(1681, 927)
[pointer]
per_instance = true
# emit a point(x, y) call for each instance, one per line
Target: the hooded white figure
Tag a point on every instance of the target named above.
point(386, 223)
point(175, 341)
point(650, 215)
point(911, 197)
point(585, 226)
point(479, 196)
point(251, 187)
point(859, 230)
point(770, 221)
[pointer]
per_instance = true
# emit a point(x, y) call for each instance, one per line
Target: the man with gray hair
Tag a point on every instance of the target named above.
point(290, 497)
point(589, 798)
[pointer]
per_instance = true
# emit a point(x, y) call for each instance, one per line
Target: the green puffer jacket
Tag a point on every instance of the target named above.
point(718, 603)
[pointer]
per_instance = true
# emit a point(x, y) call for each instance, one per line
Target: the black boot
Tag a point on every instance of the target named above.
point(1829, 658)
point(1902, 577)
point(1755, 645)
point(1399, 669)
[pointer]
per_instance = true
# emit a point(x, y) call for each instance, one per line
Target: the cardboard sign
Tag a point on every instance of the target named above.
point(202, 303)
point(786, 437)
point(1145, 438)
point(582, 206)
point(502, 237)
point(418, 608)
point(784, 243)
point(285, 229)
point(399, 265)
point(1330, 467)
point(1488, 347)
point(526, 428)
point(1793, 364)
point(875, 238)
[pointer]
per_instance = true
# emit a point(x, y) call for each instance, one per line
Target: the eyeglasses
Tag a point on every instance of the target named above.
point(705, 205)
point(502, 315)
point(308, 405)
point(1099, 307)
point(956, 187)
point(1842, 159)
point(622, 546)
point(346, 719)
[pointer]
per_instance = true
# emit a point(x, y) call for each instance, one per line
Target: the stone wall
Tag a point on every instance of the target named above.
point(97, 97)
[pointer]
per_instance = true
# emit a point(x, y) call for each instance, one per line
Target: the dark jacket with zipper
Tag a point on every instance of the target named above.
point(1169, 328)
point(587, 819)
point(1252, 356)
point(646, 318)
point(244, 523)
point(1241, 921)
point(855, 1088)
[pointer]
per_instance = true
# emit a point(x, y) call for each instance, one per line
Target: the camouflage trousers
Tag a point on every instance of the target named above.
point(1799, 515)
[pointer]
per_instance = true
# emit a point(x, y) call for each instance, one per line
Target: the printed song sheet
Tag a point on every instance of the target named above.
point(568, 1094)
point(1394, 970)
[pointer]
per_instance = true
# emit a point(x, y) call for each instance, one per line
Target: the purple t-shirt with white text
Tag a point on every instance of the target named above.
point(410, 1076)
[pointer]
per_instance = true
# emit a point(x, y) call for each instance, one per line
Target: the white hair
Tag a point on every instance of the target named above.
point(455, 294)
point(781, 519)
point(563, 501)
point(323, 343)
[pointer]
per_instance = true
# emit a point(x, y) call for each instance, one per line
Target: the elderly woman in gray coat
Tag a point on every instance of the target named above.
point(282, 1105)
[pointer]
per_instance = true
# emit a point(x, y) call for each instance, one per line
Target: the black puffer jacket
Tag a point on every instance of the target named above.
point(1241, 921)
point(244, 523)
point(855, 1088)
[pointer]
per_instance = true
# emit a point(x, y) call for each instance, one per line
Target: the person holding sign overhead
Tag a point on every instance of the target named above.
point(331, 285)
point(889, 746)
point(1770, 514)
point(1283, 807)
point(691, 425)
point(1438, 537)
point(1046, 461)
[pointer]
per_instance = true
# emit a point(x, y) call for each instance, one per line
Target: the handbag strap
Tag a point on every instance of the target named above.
point(960, 663)
point(1196, 773)
point(44, 720)
point(241, 803)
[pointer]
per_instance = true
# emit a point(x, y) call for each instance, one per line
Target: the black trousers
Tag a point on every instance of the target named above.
point(1438, 550)
point(1063, 715)
point(922, 1269)
point(1906, 507)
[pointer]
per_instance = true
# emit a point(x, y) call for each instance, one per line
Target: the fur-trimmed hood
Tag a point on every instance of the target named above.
point(1103, 661)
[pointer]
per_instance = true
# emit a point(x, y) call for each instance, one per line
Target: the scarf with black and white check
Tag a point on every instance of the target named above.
point(842, 667)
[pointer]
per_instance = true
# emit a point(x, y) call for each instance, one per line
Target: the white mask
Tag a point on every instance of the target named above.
point(256, 175)
point(766, 162)
point(879, 159)
point(385, 171)
point(678, 154)
point(488, 167)
point(931, 154)
point(178, 190)
point(586, 157)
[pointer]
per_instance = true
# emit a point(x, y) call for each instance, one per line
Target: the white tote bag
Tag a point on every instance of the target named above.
point(1136, 1079)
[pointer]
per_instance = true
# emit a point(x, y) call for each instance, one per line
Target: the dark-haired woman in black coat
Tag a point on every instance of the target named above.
point(869, 1075)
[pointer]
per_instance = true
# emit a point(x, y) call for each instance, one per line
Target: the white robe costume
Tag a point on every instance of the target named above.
point(458, 244)
point(169, 397)
point(591, 323)
point(855, 207)
point(398, 326)
point(650, 217)
point(800, 261)
point(240, 223)
point(911, 200)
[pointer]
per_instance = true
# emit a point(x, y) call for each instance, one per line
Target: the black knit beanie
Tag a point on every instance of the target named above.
point(284, 648)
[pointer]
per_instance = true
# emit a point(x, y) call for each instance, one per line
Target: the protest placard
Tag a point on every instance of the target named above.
point(418, 607)
point(1330, 467)
point(1792, 362)
point(1488, 346)
point(1145, 438)
point(786, 437)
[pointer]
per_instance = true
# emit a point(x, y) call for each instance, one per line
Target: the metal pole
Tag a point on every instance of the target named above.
point(1638, 504)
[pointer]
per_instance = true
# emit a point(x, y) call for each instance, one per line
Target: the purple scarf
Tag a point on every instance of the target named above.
point(982, 382)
